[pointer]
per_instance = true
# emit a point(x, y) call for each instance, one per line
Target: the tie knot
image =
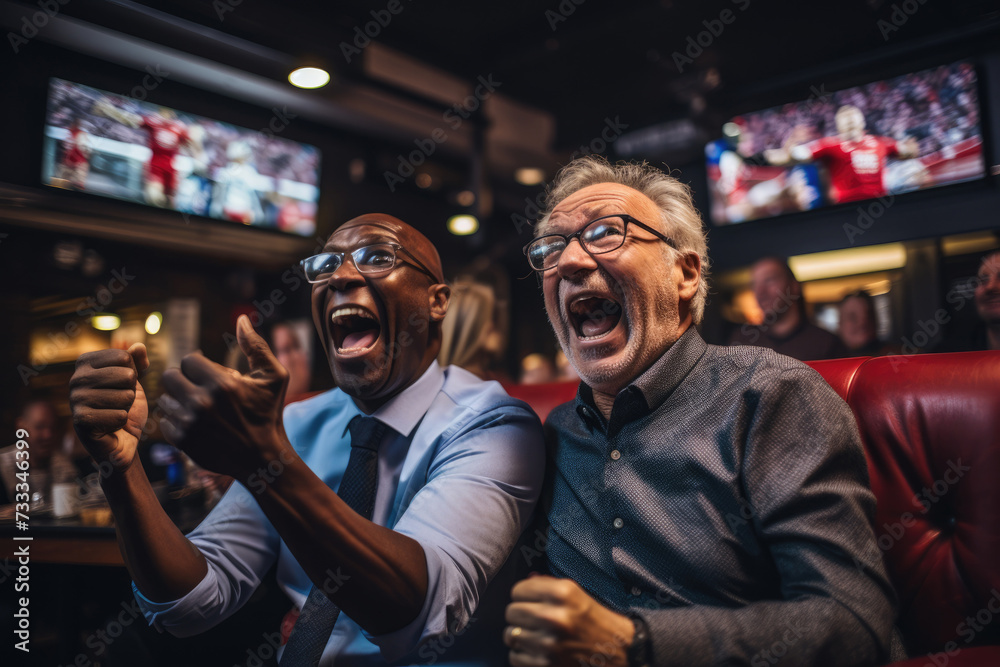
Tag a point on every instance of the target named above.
point(366, 432)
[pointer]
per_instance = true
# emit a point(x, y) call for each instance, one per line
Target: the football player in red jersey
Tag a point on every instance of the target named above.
point(75, 163)
point(854, 159)
point(166, 136)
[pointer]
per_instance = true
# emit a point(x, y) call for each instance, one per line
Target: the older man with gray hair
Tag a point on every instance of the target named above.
point(707, 505)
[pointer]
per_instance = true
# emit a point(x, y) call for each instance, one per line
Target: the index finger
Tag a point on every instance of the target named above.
point(541, 588)
point(106, 359)
point(202, 371)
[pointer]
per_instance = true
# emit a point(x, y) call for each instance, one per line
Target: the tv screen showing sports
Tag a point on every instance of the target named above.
point(106, 144)
point(917, 131)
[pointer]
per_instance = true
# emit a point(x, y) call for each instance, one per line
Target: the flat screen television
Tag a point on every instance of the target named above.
point(113, 146)
point(912, 132)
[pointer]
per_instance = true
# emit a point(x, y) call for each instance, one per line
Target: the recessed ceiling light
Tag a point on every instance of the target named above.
point(309, 77)
point(529, 176)
point(105, 322)
point(463, 225)
point(153, 322)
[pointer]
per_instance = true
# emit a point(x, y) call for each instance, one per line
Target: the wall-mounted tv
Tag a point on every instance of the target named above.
point(114, 146)
point(912, 132)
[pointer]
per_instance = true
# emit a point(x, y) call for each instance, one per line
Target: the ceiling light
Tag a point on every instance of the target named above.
point(529, 175)
point(463, 225)
point(309, 77)
point(466, 198)
point(105, 322)
point(848, 262)
point(153, 323)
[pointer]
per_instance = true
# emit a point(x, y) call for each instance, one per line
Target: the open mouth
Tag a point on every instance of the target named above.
point(354, 329)
point(594, 317)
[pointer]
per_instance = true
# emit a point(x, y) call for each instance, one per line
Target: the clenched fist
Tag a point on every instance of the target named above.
point(109, 406)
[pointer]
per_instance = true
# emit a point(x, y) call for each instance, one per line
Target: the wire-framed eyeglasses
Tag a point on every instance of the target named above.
point(374, 259)
point(597, 237)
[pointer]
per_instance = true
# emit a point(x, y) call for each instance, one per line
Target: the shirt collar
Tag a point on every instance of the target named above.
point(648, 391)
point(404, 411)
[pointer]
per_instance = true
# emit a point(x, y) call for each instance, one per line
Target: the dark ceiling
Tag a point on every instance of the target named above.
point(583, 60)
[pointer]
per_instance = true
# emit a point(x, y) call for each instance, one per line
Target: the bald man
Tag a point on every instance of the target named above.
point(459, 463)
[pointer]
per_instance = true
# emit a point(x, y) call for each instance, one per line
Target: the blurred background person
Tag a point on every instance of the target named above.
point(48, 465)
point(471, 337)
point(75, 163)
point(986, 334)
point(291, 352)
point(988, 299)
point(858, 325)
point(537, 369)
point(785, 328)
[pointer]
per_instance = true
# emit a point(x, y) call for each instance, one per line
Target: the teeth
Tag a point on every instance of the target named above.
point(348, 311)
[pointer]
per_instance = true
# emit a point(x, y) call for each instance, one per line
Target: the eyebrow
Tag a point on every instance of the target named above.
point(333, 246)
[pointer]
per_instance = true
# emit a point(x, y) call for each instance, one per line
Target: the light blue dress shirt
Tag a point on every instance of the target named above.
point(459, 472)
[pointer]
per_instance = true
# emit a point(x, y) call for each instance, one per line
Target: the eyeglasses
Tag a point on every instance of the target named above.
point(596, 237)
point(375, 259)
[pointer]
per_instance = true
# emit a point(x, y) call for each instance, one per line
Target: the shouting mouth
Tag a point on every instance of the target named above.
point(593, 317)
point(355, 330)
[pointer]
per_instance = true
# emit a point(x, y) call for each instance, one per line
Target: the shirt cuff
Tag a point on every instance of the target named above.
point(186, 616)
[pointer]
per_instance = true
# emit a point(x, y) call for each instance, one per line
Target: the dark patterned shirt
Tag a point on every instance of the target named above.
point(725, 502)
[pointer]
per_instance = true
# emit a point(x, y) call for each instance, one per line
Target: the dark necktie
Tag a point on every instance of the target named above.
point(357, 489)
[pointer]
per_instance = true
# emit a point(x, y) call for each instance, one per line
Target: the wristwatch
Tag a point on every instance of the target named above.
point(638, 650)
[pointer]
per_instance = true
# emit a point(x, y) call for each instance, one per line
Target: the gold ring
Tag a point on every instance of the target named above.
point(516, 632)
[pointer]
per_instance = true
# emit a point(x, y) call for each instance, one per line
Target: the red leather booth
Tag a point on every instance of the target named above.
point(931, 429)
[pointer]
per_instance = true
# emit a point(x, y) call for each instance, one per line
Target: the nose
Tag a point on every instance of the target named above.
point(574, 259)
point(346, 276)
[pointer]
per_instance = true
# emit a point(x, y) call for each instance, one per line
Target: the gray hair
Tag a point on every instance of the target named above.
point(673, 198)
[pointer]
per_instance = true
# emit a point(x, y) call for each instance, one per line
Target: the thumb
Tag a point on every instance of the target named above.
point(139, 357)
point(254, 347)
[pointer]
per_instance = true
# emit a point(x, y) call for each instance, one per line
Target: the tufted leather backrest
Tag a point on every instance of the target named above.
point(931, 428)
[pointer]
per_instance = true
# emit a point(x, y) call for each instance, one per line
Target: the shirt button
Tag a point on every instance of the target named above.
point(619, 523)
point(615, 455)
point(636, 591)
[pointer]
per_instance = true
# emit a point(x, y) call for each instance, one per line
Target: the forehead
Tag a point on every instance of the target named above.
point(600, 199)
point(350, 236)
point(990, 264)
point(767, 269)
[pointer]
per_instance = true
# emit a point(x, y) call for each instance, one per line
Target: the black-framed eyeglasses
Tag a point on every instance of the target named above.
point(374, 259)
point(597, 237)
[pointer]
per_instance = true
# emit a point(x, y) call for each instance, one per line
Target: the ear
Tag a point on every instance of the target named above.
point(690, 276)
point(438, 297)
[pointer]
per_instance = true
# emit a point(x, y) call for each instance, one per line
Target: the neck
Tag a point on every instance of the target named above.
point(787, 323)
point(993, 337)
